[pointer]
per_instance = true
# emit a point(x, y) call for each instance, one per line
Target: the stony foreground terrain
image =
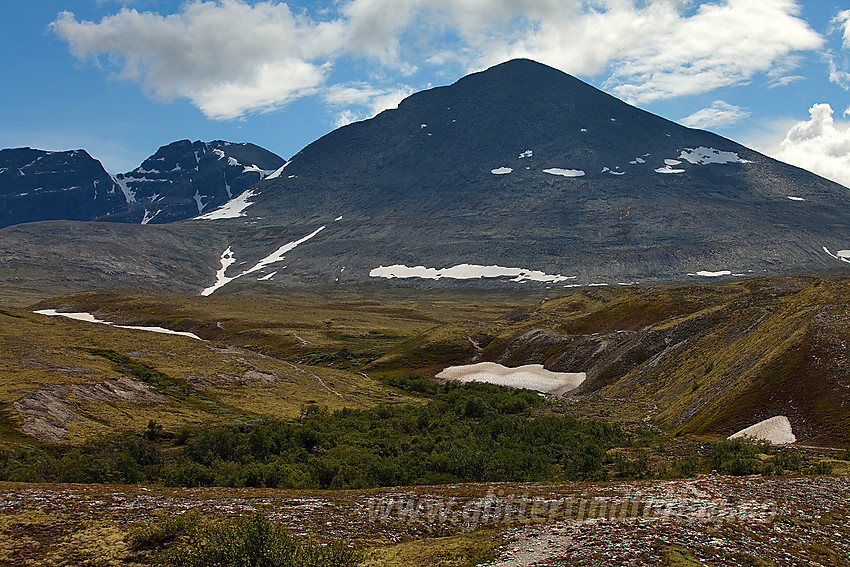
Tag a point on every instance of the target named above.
point(712, 520)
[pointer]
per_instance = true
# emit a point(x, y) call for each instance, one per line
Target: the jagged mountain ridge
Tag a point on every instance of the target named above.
point(184, 179)
point(180, 181)
point(37, 185)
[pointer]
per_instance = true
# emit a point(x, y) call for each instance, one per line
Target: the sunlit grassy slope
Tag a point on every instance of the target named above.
point(706, 359)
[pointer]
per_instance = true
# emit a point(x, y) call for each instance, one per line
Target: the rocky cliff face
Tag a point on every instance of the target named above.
point(184, 179)
point(180, 181)
point(37, 185)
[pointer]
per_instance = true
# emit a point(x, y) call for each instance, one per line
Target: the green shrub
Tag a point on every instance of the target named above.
point(255, 542)
point(154, 535)
point(414, 383)
point(739, 457)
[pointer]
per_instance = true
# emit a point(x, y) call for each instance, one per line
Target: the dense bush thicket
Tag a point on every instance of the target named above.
point(471, 432)
point(464, 433)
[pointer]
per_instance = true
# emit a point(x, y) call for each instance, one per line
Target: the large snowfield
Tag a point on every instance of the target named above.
point(531, 376)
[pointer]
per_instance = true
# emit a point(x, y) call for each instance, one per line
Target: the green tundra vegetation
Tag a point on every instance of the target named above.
point(462, 433)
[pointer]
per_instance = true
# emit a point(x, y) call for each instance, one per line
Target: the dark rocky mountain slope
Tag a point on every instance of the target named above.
point(37, 185)
point(520, 174)
point(524, 166)
point(180, 181)
point(184, 179)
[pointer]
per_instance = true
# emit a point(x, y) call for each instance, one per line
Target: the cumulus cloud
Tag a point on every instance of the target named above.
point(373, 100)
point(722, 44)
point(231, 57)
point(226, 57)
point(720, 113)
point(819, 145)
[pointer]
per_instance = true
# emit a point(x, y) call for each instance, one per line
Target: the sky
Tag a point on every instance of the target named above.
point(122, 78)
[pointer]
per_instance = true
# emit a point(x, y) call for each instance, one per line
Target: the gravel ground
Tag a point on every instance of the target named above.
point(713, 520)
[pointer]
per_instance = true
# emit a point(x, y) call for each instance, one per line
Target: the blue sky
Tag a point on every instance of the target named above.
point(121, 78)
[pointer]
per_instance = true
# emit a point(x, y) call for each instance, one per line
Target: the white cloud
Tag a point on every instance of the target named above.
point(720, 113)
point(229, 57)
point(369, 99)
point(819, 145)
point(726, 43)
point(842, 21)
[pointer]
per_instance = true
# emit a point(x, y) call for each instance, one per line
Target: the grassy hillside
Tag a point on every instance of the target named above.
point(696, 360)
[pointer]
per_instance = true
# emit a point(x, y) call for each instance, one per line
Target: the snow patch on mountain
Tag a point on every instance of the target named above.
point(526, 154)
point(501, 170)
point(149, 217)
point(465, 272)
point(129, 194)
point(199, 201)
point(795, 198)
point(564, 172)
point(232, 209)
point(276, 173)
point(843, 255)
point(704, 156)
point(707, 274)
point(89, 318)
point(228, 259)
point(776, 429)
point(668, 169)
point(531, 376)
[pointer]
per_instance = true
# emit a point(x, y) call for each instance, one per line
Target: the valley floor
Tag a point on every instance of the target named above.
point(715, 520)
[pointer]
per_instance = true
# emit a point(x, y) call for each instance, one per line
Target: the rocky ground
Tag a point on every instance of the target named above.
point(710, 520)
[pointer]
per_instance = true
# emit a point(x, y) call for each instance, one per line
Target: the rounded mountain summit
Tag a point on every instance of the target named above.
point(524, 166)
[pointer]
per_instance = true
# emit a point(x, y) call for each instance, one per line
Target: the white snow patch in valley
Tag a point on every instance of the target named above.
point(219, 153)
point(637, 160)
point(843, 255)
point(707, 274)
point(144, 171)
point(233, 161)
point(199, 202)
point(146, 219)
point(339, 218)
point(668, 169)
point(232, 209)
point(277, 255)
point(177, 168)
point(795, 198)
point(276, 173)
point(564, 172)
point(129, 194)
point(89, 318)
point(526, 154)
point(777, 430)
point(501, 170)
point(703, 155)
point(672, 162)
point(531, 376)
point(584, 129)
point(227, 259)
point(267, 277)
point(465, 272)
